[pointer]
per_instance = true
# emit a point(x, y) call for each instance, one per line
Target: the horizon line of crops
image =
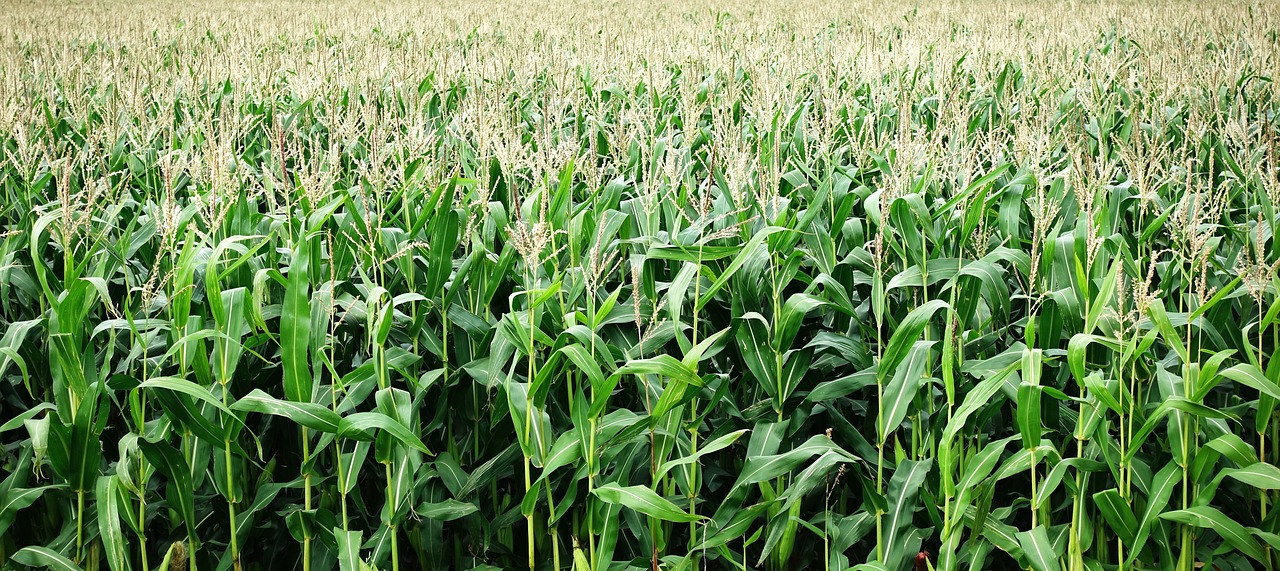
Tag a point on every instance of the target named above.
point(1010, 305)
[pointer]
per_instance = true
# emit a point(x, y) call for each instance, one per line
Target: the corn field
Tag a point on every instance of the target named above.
point(607, 285)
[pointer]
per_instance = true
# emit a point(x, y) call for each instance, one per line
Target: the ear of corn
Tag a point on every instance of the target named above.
point(638, 286)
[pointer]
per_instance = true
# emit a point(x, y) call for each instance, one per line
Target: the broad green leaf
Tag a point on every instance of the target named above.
point(1117, 514)
point(1234, 449)
point(753, 247)
point(901, 391)
point(707, 448)
point(661, 365)
point(1230, 530)
point(295, 325)
point(1077, 351)
point(348, 549)
point(188, 388)
point(109, 531)
point(1250, 376)
point(836, 388)
point(172, 464)
point(1167, 332)
point(1170, 405)
point(582, 359)
point(307, 414)
point(447, 510)
point(906, 335)
point(1261, 475)
point(44, 557)
point(753, 343)
point(1028, 414)
point(738, 524)
point(793, 313)
point(1103, 299)
point(904, 486)
point(1038, 549)
point(13, 500)
point(355, 426)
point(760, 468)
point(1158, 493)
point(21, 418)
point(645, 501)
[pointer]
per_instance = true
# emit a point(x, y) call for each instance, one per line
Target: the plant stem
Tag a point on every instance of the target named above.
point(879, 428)
point(306, 501)
point(231, 510)
point(231, 490)
point(528, 426)
point(693, 415)
point(342, 486)
point(391, 521)
point(79, 526)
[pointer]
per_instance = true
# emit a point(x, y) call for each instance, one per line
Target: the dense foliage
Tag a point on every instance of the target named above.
point(340, 286)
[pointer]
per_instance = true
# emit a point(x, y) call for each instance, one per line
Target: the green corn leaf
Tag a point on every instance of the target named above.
point(901, 390)
point(295, 326)
point(567, 450)
point(753, 342)
point(1260, 475)
point(760, 468)
point(13, 500)
point(1117, 514)
point(15, 335)
point(1077, 351)
point(707, 348)
point(978, 397)
point(676, 295)
point(906, 335)
point(447, 510)
point(356, 426)
point(1230, 530)
point(310, 415)
point(348, 549)
point(43, 557)
point(188, 388)
point(1028, 414)
point(796, 364)
point(753, 247)
point(1167, 332)
point(22, 417)
point(737, 524)
point(444, 240)
point(793, 313)
point(1103, 299)
point(680, 253)
point(1038, 549)
point(707, 448)
point(904, 487)
point(169, 461)
point(1158, 494)
point(1104, 392)
point(582, 359)
point(1170, 405)
point(109, 530)
point(645, 501)
point(1250, 376)
point(1208, 377)
point(663, 366)
point(836, 388)
point(809, 479)
point(1234, 449)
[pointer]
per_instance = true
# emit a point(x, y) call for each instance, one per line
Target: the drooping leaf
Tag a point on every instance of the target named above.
point(645, 501)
